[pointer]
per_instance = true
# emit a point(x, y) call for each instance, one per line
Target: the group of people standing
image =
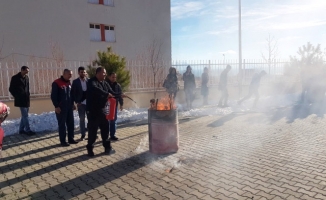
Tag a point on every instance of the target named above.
point(171, 85)
point(88, 96)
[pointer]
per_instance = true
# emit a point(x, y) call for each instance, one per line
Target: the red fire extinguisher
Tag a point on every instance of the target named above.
point(4, 112)
point(111, 106)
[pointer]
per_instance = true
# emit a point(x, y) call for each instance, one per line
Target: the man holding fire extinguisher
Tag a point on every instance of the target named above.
point(116, 87)
point(98, 94)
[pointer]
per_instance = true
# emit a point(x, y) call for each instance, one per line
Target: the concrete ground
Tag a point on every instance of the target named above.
point(278, 154)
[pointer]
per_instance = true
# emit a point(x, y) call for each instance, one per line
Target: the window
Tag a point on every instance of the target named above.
point(95, 32)
point(109, 34)
point(94, 1)
point(102, 2)
point(101, 32)
point(108, 2)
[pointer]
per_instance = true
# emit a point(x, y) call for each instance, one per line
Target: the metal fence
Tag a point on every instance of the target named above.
point(42, 74)
point(274, 68)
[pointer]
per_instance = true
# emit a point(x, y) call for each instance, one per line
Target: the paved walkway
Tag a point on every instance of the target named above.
point(276, 155)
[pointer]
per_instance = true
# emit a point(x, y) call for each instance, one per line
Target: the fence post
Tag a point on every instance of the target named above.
point(275, 69)
point(244, 70)
point(3, 92)
point(8, 81)
point(47, 89)
point(38, 77)
point(269, 66)
point(75, 70)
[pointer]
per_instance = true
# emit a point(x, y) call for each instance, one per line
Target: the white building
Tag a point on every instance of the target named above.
point(79, 28)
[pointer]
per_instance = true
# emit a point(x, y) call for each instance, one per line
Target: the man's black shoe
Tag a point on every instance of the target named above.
point(30, 133)
point(90, 152)
point(109, 150)
point(82, 138)
point(73, 142)
point(65, 144)
point(114, 138)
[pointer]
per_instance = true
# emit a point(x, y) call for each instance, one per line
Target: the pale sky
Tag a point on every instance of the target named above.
point(207, 29)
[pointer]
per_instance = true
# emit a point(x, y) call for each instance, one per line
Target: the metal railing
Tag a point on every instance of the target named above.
point(42, 74)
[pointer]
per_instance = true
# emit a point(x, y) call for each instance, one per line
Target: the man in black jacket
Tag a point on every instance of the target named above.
point(19, 89)
point(78, 93)
point(98, 93)
point(189, 86)
point(116, 87)
point(64, 106)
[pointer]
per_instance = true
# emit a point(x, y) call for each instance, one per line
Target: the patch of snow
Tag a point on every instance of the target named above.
point(48, 122)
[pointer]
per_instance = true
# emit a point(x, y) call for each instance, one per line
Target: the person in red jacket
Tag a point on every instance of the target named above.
point(64, 106)
point(4, 112)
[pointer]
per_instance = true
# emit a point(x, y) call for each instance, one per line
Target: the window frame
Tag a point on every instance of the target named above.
point(102, 28)
point(101, 2)
point(95, 25)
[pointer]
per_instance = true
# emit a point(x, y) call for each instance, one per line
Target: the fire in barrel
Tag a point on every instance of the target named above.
point(163, 127)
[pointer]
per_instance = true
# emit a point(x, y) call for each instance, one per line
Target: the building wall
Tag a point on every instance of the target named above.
point(29, 26)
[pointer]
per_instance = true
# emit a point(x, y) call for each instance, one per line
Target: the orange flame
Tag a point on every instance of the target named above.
point(165, 104)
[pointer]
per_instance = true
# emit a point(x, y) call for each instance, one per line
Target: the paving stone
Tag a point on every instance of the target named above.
point(242, 161)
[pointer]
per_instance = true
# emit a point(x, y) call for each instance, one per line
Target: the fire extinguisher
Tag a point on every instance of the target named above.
point(111, 107)
point(4, 112)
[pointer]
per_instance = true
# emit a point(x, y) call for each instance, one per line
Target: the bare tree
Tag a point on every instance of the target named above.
point(153, 58)
point(272, 51)
point(1, 48)
point(57, 53)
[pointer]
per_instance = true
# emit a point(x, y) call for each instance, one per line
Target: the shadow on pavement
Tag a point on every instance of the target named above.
point(125, 138)
point(221, 121)
point(296, 112)
point(29, 139)
point(26, 153)
point(26, 140)
point(25, 163)
point(95, 178)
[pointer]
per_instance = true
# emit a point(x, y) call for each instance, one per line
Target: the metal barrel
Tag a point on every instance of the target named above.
point(163, 131)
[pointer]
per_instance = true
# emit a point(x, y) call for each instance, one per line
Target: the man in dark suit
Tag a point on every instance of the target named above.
point(78, 93)
point(98, 93)
point(64, 106)
point(19, 89)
